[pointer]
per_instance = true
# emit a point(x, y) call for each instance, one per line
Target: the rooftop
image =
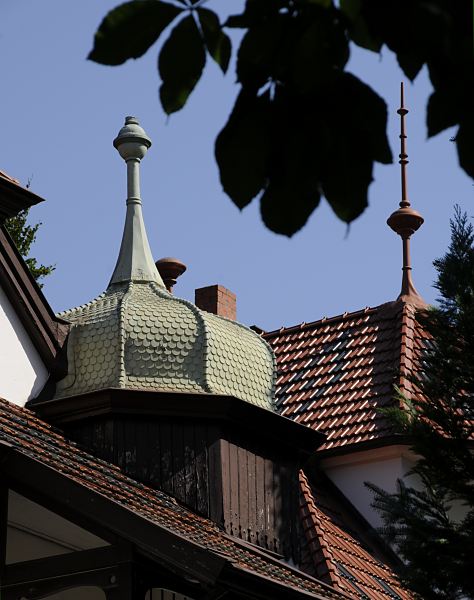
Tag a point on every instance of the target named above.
point(334, 374)
point(138, 336)
point(35, 440)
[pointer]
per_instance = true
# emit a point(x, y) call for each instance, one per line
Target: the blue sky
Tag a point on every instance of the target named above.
point(61, 112)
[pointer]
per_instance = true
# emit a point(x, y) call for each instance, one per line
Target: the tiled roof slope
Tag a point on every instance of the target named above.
point(334, 374)
point(32, 437)
point(339, 558)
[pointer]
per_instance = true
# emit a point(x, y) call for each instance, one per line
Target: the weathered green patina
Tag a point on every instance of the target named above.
point(139, 336)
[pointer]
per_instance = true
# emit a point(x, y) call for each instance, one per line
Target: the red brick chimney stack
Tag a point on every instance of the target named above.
point(218, 300)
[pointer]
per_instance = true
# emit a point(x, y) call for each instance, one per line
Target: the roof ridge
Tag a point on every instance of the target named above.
point(63, 313)
point(201, 320)
point(10, 178)
point(122, 379)
point(368, 310)
point(304, 325)
point(323, 543)
point(408, 317)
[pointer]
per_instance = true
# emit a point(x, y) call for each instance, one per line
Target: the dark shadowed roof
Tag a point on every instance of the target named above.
point(14, 197)
point(339, 557)
point(24, 435)
point(334, 374)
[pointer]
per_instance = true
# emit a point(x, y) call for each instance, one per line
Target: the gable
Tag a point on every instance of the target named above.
point(31, 334)
point(22, 371)
point(35, 532)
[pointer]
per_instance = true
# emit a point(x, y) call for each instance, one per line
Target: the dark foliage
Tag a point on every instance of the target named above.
point(434, 528)
point(302, 126)
point(24, 236)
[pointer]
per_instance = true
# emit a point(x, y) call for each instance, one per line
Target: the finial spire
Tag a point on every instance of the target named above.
point(402, 111)
point(135, 261)
point(405, 221)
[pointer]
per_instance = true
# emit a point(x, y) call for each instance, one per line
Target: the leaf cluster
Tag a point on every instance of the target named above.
point(24, 236)
point(130, 29)
point(302, 126)
point(435, 542)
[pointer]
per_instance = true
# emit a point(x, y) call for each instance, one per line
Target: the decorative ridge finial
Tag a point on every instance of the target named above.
point(405, 221)
point(402, 111)
point(135, 261)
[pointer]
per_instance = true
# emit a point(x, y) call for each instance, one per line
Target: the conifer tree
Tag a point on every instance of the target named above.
point(431, 519)
point(24, 236)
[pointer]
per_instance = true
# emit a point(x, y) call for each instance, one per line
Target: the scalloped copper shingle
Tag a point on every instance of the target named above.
point(137, 336)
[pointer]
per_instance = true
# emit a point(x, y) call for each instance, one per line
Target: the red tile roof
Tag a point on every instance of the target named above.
point(34, 438)
point(14, 197)
point(334, 374)
point(339, 558)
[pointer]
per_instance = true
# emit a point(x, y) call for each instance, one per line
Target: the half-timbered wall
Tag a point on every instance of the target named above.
point(35, 533)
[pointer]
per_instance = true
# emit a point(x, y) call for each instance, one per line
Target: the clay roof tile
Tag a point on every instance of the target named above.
point(346, 359)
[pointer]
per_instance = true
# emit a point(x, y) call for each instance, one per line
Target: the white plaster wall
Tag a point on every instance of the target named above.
point(36, 532)
point(22, 372)
point(382, 467)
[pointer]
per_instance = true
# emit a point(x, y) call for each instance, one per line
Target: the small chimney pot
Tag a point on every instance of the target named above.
point(170, 269)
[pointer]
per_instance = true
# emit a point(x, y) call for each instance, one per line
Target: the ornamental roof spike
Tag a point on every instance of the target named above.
point(405, 220)
point(135, 261)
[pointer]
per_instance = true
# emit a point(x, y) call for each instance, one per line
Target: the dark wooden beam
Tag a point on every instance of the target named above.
point(15, 198)
point(51, 487)
point(247, 585)
point(130, 586)
point(210, 408)
point(111, 568)
point(101, 578)
point(70, 513)
point(46, 331)
point(3, 527)
point(156, 576)
point(52, 567)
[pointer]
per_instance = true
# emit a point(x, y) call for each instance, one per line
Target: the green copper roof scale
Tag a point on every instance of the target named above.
point(136, 335)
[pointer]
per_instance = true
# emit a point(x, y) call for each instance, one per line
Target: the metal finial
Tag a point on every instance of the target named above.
point(135, 261)
point(405, 221)
point(402, 111)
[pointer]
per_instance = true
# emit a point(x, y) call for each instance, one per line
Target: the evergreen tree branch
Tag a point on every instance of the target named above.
point(24, 236)
point(430, 518)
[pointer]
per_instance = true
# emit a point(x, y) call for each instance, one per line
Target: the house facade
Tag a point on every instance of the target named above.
point(154, 447)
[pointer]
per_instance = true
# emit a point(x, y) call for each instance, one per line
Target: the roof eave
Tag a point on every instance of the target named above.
point(176, 552)
point(15, 198)
point(267, 424)
point(47, 332)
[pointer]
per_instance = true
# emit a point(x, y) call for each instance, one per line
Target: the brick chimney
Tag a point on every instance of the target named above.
point(218, 300)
